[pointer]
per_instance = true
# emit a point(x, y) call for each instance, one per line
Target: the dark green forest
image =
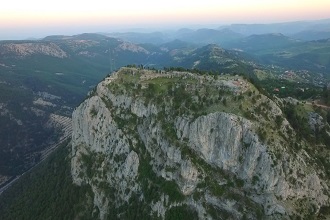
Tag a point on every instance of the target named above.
point(46, 192)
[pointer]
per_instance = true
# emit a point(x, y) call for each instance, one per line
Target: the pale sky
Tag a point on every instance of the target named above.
point(33, 18)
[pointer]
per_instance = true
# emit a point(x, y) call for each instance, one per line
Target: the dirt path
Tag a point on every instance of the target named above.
point(319, 105)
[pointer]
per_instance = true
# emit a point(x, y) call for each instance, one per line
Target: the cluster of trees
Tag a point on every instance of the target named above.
point(302, 128)
point(326, 95)
point(300, 124)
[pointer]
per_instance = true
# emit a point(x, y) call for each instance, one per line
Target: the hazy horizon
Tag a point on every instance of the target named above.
point(39, 19)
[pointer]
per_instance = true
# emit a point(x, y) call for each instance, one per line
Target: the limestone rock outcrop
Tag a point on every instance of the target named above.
point(136, 140)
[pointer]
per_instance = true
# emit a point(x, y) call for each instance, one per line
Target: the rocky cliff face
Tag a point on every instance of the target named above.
point(158, 144)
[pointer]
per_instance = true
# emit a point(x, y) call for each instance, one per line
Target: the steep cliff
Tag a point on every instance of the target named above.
point(164, 144)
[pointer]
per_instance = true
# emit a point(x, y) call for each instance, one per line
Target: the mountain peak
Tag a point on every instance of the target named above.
point(177, 139)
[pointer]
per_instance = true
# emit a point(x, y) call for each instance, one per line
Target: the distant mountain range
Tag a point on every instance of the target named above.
point(299, 30)
point(293, 45)
point(286, 28)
